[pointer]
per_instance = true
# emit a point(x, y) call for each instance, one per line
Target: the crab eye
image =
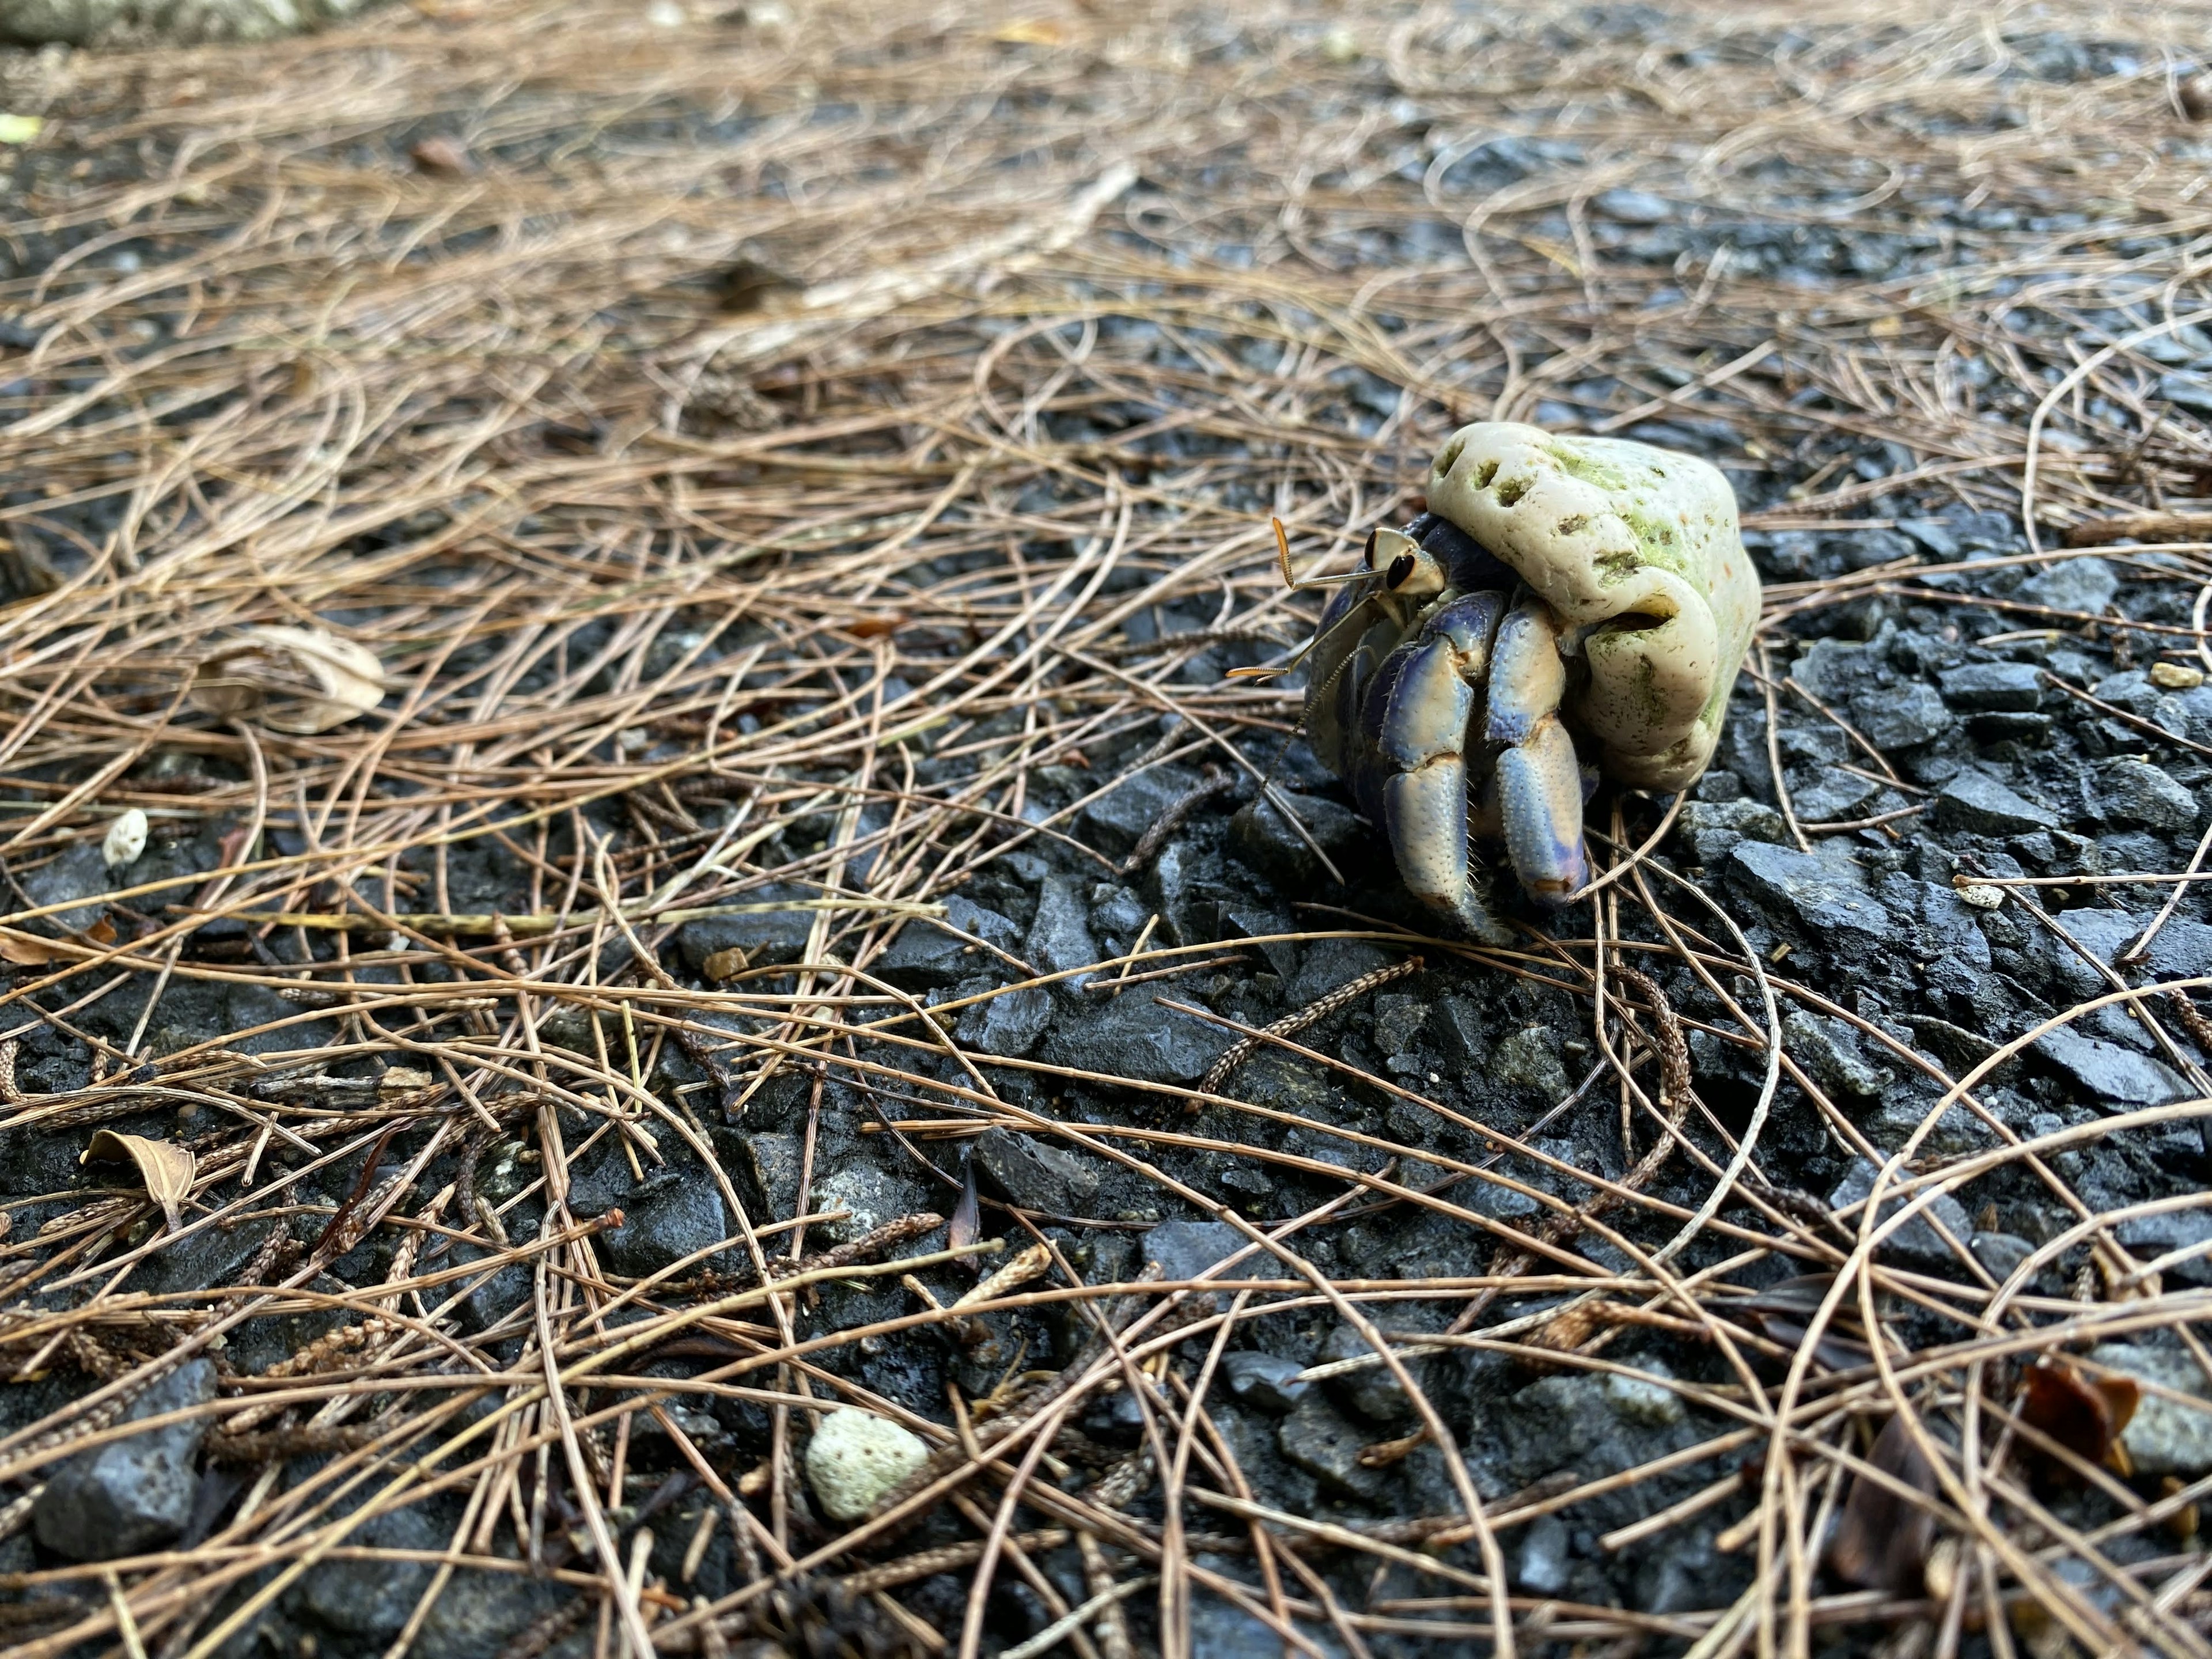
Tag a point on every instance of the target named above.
point(1401, 571)
point(1367, 554)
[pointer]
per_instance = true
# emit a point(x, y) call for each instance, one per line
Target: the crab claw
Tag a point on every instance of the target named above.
point(1539, 780)
point(1424, 731)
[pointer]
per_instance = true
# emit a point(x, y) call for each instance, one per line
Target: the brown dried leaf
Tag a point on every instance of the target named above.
point(166, 1168)
point(1881, 1540)
point(724, 964)
point(2082, 1413)
point(441, 157)
point(28, 950)
point(291, 679)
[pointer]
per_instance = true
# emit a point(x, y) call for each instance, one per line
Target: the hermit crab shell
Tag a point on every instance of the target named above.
point(1637, 552)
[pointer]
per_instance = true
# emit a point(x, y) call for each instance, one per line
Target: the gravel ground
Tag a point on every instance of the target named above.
point(970, 967)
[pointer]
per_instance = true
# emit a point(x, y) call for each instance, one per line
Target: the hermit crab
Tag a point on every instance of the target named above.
point(1565, 608)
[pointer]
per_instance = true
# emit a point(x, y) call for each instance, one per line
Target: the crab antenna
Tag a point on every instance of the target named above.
point(1297, 585)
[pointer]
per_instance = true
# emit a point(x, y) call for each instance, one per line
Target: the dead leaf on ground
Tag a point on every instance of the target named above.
point(166, 1168)
point(2083, 1414)
point(34, 950)
point(1882, 1539)
point(441, 157)
point(291, 679)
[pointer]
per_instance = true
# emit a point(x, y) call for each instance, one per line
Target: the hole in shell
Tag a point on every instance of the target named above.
point(1510, 492)
point(1447, 457)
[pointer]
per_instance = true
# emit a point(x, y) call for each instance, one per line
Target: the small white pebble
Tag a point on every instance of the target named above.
point(2175, 676)
point(855, 1457)
point(1981, 895)
point(126, 839)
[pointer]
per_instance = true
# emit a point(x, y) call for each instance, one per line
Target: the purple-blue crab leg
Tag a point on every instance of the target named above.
point(1539, 779)
point(1421, 742)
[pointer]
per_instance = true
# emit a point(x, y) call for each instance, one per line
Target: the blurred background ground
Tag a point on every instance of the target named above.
point(805, 471)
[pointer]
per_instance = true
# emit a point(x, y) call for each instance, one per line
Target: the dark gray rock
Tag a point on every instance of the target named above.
point(1035, 1175)
point(1544, 1562)
point(1531, 1059)
point(130, 1495)
point(1133, 1036)
point(1266, 840)
point(1318, 1438)
point(2136, 792)
point(675, 1213)
point(373, 1599)
point(1008, 1024)
point(2165, 1436)
point(2001, 1253)
point(1993, 687)
point(1834, 796)
point(1829, 1050)
point(2077, 585)
point(1917, 1240)
point(1712, 828)
point(1252, 922)
point(503, 1290)
point(927, 955)
point(1899, 716)
point(1060, 939)
point(480, 1611)
point(1633, 207)
point(1184, 1249)
point(1824, 891)
point(1371, 1391)
point(1977, 803)
point(769, 937)
point(1117, 820)
point(1399, 1020)
point(78, 872)
point(2109, 1074)
point(2130, 689)
point(2182, 949)
point(1593, 1424)
point(773, 1158)
point(1264, 1380)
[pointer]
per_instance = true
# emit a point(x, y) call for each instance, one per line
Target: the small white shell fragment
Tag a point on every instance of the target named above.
point(2175, 676)
point(126, 839)
point(855, 1457)
point(1981, 895)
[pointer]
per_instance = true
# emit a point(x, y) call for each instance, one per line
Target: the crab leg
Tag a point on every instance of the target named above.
point(1539, 780)
point(1423, 730)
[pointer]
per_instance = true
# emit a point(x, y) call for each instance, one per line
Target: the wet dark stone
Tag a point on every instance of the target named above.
point(130, 1495)
point(1133, 1036)
point(1263, 1381)
point(1917, 1240)
point(1184, 1249)
point(1060, 939)
point(1712, 828)
point(926, 955)
point(1592, 1424)
point(1267, 842)
point(2001, 1253)
point(2136, 792)
point(2077, 585)
point(1318, 1439)
point(1993, 687)
point(1373, 1391)
point(1117, 820)
point(1034, 1173)
point(769, 937)
point(1008, 1024)
point(1976, 802)
point(501, 1292)
point(1824, 892)
point(1544, 1563)
point(2109, 1074)
point(671, 1217)
point(1899, 716)
point(79, 871)
point(373, 1598)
